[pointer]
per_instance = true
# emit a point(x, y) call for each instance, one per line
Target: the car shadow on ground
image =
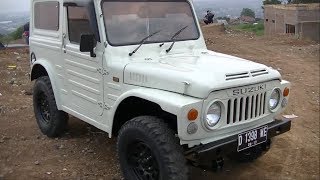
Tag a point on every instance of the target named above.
point(97, 141)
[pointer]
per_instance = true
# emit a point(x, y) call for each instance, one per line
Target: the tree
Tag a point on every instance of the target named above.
point(266, 2)
point(6, 39)
point(17, 34)
point(248, 12)
point(302, 1)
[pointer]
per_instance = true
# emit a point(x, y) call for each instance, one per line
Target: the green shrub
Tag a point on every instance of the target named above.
point(258, 29)
point(5, 40)
point(17, 34)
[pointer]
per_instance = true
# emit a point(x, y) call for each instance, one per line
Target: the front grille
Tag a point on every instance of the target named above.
point(246, 108)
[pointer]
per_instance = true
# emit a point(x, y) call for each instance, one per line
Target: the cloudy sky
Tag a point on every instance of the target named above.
point(14, 5)
point(24, 5)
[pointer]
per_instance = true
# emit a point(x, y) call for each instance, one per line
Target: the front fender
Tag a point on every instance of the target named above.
point(49, 69)
point(170, 102)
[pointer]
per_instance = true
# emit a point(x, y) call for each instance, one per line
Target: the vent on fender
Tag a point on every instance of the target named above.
point(259, 72)
point(237, 76)
point(241, 75)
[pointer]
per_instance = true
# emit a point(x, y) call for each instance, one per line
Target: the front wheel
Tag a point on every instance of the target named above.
point(148, 150)
point(51, 121)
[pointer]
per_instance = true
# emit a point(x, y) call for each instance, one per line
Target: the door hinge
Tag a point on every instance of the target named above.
point(103, 71)
point(104, 106)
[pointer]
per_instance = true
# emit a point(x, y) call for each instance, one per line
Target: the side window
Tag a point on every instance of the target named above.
point(78, 23)
point(46, 15)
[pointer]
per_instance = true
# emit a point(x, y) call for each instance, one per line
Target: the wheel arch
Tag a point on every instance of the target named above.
point(43, 68)
point(38, 71)
point(163, 104)
point(134, 106)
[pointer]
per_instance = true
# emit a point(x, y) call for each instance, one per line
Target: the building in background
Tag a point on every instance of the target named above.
point(302, 20)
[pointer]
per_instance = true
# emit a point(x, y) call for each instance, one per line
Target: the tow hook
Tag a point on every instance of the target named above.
point(217, 164)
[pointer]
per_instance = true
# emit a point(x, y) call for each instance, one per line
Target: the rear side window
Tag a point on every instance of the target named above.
point(78, 23)
point(46, 15)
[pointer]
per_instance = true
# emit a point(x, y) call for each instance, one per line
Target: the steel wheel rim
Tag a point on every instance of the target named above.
point(43, 104)
point(142, 161)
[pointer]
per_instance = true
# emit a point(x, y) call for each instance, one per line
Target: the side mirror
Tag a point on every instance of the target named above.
point(87, 44)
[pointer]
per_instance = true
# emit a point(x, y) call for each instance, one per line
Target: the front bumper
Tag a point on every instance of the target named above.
point(228, 145)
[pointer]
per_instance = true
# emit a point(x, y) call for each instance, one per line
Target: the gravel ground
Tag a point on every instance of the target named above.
point(87, 153)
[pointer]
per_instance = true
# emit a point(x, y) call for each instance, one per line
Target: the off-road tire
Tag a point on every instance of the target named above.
point(55, 122)
point(251, 154)
point(163, 144)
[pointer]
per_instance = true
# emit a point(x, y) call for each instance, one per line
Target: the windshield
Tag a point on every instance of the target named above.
point(128, 22)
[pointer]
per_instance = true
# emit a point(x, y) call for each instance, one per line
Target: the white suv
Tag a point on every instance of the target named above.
point(140, 70)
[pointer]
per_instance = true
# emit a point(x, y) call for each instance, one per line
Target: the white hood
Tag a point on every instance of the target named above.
point(204, 73)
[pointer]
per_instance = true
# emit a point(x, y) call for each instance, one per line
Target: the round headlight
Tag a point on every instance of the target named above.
point(213, 115)
point(274, 99)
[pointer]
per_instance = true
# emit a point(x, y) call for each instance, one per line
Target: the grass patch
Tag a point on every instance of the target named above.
point(258, 29)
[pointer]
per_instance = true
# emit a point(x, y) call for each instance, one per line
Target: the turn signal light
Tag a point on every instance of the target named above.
point(286, 92)
point(193, 115)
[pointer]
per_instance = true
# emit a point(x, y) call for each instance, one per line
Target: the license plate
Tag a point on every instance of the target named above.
point(252, 138)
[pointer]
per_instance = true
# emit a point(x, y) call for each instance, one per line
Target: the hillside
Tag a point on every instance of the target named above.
point(225, 8)
point(9, 22)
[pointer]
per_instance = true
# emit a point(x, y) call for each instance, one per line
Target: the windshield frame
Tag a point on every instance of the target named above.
point(151, 42)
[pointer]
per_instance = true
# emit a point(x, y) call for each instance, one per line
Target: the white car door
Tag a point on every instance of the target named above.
point(84, 77)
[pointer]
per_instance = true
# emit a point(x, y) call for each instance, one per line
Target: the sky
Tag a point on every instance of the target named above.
point(24, 5)
point(14, 5)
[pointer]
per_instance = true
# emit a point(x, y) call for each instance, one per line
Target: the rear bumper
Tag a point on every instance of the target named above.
point(229, 144)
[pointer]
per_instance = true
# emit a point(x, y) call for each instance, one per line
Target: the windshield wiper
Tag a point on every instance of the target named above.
point(143, 41)
point(173, 38)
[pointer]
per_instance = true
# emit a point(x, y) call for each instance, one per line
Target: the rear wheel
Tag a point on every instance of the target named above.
point(51, 121)
point(148, 149)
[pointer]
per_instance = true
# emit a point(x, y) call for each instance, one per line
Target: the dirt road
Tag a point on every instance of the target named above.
point(87, 153)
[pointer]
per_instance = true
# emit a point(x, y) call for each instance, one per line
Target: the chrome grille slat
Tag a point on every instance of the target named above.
point(228, 112)
point(253, 110)
point(249, 108)
point(231, 111)
point(234, 110)
point(246, 108)
point(238, 111)
point(261, 104)
point(258, 105)
point(264, 103)
point(243, 113)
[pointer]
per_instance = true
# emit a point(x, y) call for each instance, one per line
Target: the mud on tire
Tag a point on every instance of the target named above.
point(148, 149)
point(50, 120)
